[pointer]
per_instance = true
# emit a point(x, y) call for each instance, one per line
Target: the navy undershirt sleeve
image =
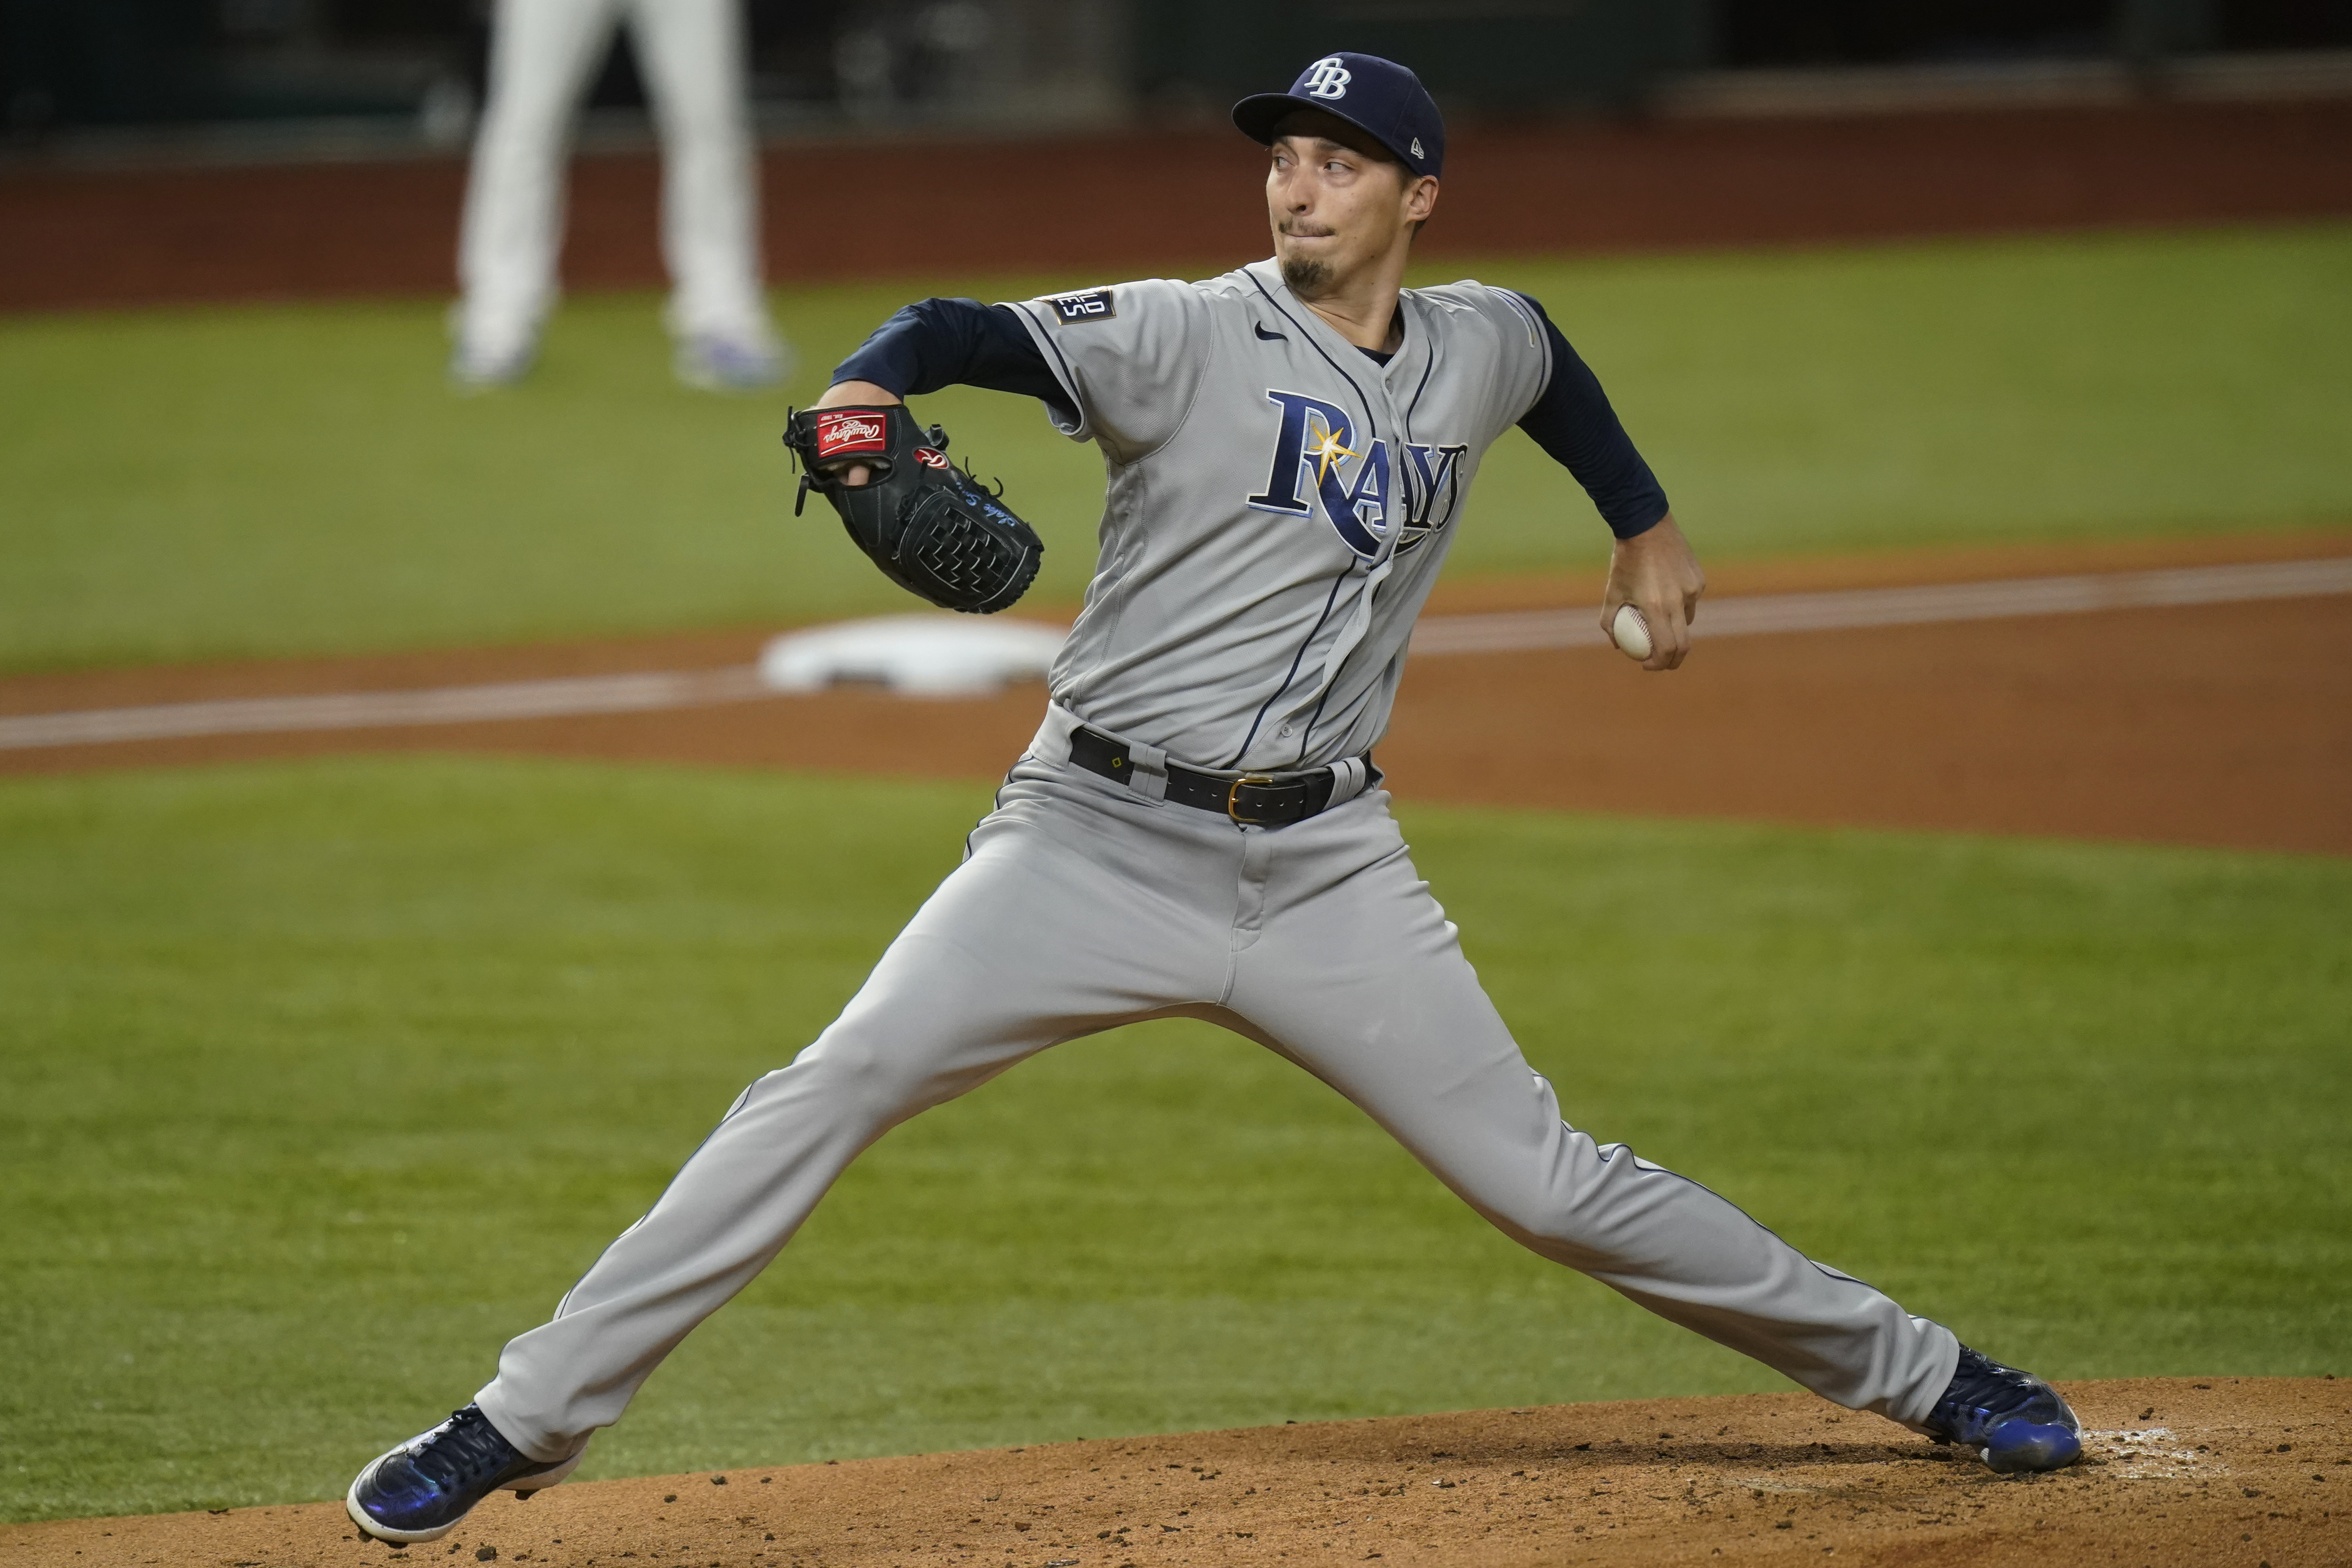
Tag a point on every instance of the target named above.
point(1574, 422)
point(933, 344)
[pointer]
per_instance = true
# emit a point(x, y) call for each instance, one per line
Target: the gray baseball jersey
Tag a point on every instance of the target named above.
point(1278, 502)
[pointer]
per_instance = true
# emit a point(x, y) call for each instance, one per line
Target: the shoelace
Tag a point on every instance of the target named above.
point(467, 1447)
point(1982, 1388)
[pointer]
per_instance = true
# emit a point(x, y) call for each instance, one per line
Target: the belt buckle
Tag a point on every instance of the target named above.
point(1232, 799)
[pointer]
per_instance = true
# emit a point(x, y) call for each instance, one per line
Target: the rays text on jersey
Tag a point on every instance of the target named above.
point(1317, 464)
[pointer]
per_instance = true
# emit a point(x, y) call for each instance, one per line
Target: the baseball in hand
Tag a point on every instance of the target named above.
point(1630, 632)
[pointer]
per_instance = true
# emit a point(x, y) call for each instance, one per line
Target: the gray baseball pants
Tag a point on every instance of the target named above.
point(1082, 905)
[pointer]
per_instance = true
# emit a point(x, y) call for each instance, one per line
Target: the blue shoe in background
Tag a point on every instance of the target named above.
point(421, 1489)
point(477, 366)
point(710, 363)
point(2012, 1419)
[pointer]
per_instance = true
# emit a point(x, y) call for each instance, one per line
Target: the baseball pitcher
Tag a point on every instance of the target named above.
point(1198, 829)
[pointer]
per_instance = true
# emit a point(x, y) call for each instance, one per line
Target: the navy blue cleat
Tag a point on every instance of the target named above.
point(420, 1491)
point(2012, 1419)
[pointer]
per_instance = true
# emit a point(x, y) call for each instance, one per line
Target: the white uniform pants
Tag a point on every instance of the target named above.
point(541, 52)
point(1082, 906)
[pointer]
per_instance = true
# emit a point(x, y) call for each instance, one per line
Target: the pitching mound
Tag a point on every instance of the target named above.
point(2255, 1472)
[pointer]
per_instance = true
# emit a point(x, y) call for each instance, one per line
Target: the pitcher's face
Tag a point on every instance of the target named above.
point(1337, 202)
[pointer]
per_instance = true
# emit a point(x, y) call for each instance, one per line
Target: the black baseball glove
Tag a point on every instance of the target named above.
point(931, 527)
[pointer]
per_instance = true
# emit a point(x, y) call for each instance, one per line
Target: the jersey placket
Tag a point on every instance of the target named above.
point(1368, 388)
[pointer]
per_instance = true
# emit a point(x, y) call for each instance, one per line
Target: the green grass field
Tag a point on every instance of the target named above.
point(272, 481)
point(319, 1081)
point(323, 1079)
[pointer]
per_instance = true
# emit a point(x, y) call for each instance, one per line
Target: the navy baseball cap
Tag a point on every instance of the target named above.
point(1376, 96)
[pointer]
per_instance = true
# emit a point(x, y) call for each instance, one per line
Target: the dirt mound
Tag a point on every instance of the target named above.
point(2226, 1470)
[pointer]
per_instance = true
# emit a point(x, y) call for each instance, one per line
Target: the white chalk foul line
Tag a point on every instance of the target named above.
point(1760, 613)
point(555, 698)
point(1437, 635)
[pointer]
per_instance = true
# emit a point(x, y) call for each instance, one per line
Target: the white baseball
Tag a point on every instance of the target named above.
point(1630, 632)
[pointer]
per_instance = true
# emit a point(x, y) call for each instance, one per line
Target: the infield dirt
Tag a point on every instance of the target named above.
point(2220, 724)
point(2212, 1471)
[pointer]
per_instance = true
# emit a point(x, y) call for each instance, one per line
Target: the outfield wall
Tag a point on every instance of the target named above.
point(1101, 204)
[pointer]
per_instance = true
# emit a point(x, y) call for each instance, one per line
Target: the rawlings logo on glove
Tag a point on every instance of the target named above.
point(842, 433)
point(929, 525)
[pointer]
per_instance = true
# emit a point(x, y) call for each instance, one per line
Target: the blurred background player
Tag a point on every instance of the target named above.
point(690, 54)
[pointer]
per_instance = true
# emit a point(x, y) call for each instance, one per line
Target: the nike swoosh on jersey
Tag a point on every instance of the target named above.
point(1264, 336)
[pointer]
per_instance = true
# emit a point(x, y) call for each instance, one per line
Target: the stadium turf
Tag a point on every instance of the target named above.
point(323, 1079)
point(264, 481)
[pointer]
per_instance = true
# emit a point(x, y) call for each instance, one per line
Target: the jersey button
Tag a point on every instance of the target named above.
point(1284, 731)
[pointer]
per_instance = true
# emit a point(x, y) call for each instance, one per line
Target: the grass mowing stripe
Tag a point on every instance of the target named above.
point(1960, 392)
point(253, 482)
point(323, 1079)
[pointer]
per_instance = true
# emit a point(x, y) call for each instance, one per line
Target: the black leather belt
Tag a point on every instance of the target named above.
point(1253, 800)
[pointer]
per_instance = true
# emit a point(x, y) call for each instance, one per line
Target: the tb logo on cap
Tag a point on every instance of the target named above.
point(1327, 78)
